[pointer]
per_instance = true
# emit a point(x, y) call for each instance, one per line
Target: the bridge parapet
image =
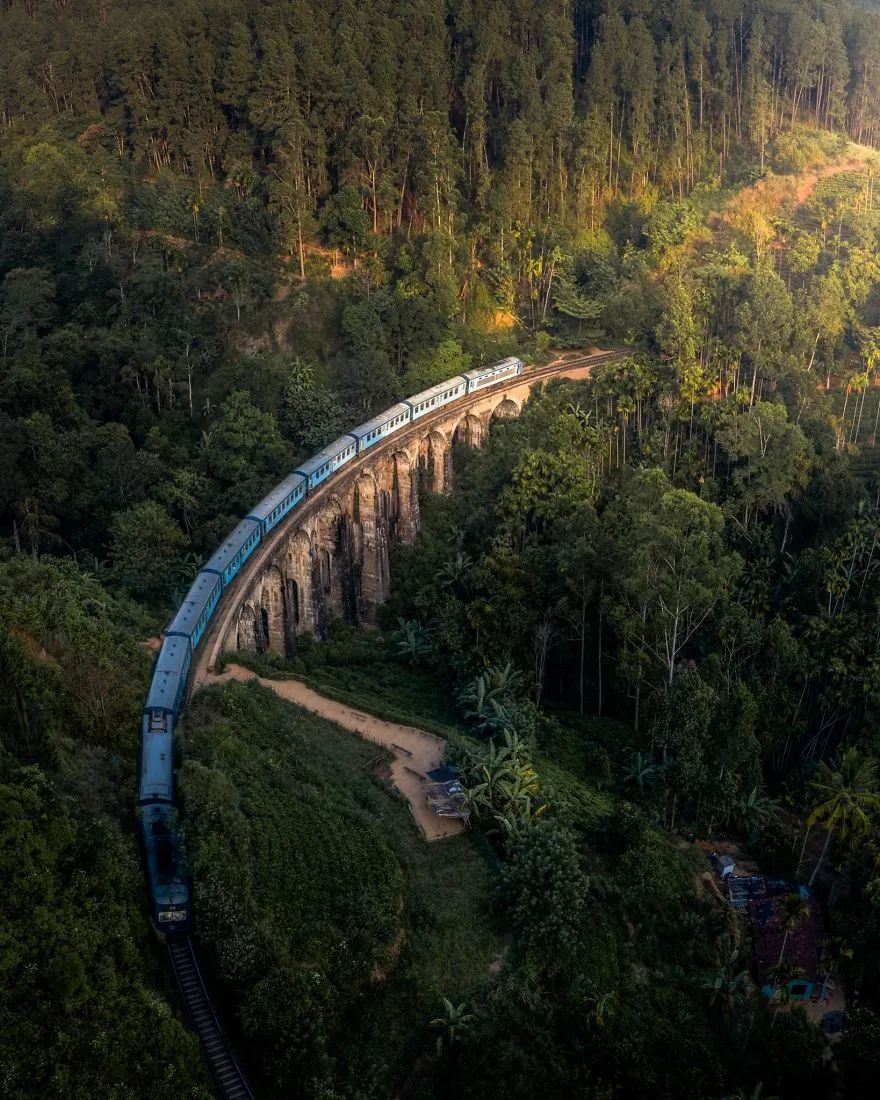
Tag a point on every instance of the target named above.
point(331, 556)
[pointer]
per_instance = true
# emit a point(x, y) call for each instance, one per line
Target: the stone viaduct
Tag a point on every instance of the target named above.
point(330, 557)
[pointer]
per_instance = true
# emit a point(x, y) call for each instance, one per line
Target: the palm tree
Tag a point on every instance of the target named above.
point(794, 910)
point(845, 798)
point(729, 985)
point(412, 641)
point(602, 1007)
point(641, 771)
point(757, 1093)
point(504, 782)
point(782, 974)
point(454, 1021)
point(755, 811)
point(517, 819)
point(455, 570)
point(487, 699)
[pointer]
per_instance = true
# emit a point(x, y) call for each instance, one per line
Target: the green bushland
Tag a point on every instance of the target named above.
point(228, 231)
point(87, 1006)
point(362, 669)
point(334, 929)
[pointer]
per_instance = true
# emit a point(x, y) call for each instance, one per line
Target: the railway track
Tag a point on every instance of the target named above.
point(210, 647)
point(228, 1076)
point(594, 360)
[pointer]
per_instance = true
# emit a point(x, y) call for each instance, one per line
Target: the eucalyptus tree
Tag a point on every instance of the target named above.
point(673, 569)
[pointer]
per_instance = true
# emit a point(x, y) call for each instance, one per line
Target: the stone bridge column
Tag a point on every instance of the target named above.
point(405, 518)
point(470, 431)
point(330, 550)
point(247, 632)
point(273, 622)
point(435, 458)
point(370, 547)
point(299, 574)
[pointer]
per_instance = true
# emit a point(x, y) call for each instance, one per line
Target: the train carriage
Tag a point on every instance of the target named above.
point(157, 727)
point(320, 466)
point(497, 372)
point(283, 498)
point(437, 396)
point(235, 551)
point(166, 872)
point(370, 433)
point(195, 612)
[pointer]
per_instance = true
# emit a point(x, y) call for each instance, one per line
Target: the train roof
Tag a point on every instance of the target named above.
point(187, 617)
point(264, 509)
point(382, 418)
point(510, 361)
point(434, 391)
point(167, 877)
point(328, 454)
point(172, 662)
point(233, 542)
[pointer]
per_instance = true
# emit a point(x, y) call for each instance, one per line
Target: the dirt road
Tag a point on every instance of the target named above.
point(808, 185)
point(412, 748)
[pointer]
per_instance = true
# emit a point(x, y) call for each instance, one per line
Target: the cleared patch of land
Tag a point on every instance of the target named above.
point(415, 751)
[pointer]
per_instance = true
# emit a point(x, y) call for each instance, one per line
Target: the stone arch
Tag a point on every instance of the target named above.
point(369, 547)
point(435, 459)
point(247, 631)
point(469, 431)
point(273, 611)
point(299, 573)
point(404, 516)
point(506, 409)
point(294, 602)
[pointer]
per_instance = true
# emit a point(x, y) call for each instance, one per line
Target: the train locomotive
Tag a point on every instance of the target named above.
point(167, 878)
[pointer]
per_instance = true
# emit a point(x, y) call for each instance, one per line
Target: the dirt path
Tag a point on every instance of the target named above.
point(773, 192)
point(412, 748)
point(808, 185)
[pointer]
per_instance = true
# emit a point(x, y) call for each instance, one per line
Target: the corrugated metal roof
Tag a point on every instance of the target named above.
point(389, 414)
point(221, 557)
point(171, 665)
point(203, 588)
point(268, 504)
point(438, 390)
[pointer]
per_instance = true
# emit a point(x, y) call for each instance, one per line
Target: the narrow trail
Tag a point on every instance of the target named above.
point(415, 751)
point(808, 185)
point(773, 194)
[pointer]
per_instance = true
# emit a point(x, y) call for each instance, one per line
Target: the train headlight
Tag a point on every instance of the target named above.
point(172, 915)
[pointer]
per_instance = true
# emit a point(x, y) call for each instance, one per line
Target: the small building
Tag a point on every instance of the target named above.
point(445, 794)
point(804, 945)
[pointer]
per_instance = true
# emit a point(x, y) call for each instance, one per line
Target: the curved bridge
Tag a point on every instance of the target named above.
point(331, 556)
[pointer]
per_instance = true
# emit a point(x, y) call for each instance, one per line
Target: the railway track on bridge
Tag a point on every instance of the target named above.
point(228, 1075)
point(211, 647)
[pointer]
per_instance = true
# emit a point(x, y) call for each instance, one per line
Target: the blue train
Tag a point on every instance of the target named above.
point(166, 873)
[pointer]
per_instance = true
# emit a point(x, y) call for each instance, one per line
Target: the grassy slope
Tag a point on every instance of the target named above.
point(448, 942)
point(360, 668)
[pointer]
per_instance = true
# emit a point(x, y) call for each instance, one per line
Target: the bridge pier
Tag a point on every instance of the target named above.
point(331, 557)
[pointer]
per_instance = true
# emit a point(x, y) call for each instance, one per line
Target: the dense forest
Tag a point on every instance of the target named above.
point(646, 614)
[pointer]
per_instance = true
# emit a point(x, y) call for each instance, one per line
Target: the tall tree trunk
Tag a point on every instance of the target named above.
point(583, 647)
point(828, 837)
point(599, 669)
point(803, 849)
